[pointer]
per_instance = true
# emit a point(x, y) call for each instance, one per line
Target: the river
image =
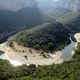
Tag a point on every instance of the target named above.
point(67, 52)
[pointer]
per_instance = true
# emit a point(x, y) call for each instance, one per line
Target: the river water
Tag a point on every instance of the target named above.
point(68, 51)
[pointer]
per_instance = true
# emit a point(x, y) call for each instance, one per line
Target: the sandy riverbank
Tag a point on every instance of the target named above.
point(33, 57)
point(77, 36)
point(23, 55)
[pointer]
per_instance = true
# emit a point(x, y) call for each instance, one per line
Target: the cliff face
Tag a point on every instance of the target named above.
point(72, 5)
point(16, 4)
point(43, 4)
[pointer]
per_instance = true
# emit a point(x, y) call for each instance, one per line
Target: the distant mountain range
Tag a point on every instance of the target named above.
point(14, 5)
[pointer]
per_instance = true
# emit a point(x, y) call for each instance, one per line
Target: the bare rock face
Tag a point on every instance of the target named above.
point(15, 5)
point(72, 5)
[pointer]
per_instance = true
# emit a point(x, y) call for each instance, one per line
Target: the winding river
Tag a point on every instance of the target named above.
point(67, 52)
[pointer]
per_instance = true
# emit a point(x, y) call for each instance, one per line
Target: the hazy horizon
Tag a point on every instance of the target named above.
point(42, 4)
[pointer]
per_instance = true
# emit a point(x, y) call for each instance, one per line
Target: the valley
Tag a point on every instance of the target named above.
point(39, 40)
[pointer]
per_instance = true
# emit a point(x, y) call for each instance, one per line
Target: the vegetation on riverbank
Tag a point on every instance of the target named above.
point(47, 37)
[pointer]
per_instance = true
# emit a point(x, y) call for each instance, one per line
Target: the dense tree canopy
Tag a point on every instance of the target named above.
point(48, 37)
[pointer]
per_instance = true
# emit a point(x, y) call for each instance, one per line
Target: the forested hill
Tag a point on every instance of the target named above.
point(48, 37)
